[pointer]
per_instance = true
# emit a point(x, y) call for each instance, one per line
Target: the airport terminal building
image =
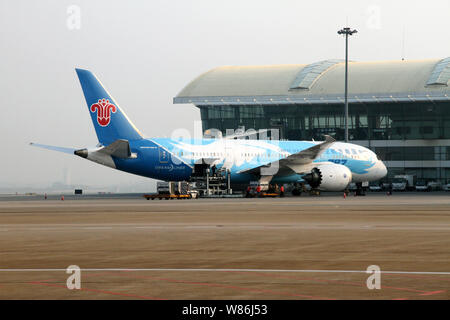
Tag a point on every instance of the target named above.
point(399, 109)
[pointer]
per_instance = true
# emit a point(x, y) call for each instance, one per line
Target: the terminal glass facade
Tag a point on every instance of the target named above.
point(367, 121)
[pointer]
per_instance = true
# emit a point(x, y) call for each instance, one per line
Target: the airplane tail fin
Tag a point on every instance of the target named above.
point(110, 122)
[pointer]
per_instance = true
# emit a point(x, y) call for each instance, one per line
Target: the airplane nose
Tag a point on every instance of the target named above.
point(382, 170)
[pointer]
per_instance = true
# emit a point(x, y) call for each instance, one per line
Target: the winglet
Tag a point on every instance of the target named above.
point(329, 138)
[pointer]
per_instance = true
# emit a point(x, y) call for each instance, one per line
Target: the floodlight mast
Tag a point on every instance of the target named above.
point(347, 32)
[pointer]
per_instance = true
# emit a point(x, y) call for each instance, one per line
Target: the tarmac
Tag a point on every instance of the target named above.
point(278, 248)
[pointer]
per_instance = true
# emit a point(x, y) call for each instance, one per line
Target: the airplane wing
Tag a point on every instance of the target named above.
point(308, 155)
point(298, 162)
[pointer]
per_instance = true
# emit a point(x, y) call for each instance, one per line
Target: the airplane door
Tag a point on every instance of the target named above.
point(164, 156)
point(229, 156)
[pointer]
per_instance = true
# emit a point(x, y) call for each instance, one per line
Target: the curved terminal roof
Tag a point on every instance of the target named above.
point(321, 82)
point(309, 74)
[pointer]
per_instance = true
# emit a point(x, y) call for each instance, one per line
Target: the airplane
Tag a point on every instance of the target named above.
point(325, 165)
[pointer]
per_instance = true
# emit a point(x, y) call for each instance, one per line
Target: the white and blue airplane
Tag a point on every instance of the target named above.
point(327, 165)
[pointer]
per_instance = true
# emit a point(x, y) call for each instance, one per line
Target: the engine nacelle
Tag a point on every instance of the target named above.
point(329, 177)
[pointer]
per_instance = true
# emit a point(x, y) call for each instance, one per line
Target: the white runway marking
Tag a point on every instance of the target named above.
point(97, 228)
point(260, 226)
point(227, 270)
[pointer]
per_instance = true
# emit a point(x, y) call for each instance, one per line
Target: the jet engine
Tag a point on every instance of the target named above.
point(329, 177)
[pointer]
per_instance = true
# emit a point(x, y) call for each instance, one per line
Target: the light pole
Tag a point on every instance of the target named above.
point(346, 31)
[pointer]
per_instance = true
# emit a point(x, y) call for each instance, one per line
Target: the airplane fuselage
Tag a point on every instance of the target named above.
point(173, 160)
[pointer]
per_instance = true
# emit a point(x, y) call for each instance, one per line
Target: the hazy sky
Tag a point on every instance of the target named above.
point(145, 52)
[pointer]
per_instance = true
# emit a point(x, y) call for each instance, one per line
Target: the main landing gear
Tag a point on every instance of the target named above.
point(359, 189)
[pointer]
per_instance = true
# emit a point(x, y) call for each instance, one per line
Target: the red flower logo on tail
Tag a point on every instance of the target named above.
point(104, 109)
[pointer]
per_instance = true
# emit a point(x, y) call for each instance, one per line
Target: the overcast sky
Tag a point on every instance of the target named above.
point(145, 52)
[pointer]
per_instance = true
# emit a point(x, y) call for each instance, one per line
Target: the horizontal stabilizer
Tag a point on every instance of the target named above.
point(54, 148)
point(119, 149)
